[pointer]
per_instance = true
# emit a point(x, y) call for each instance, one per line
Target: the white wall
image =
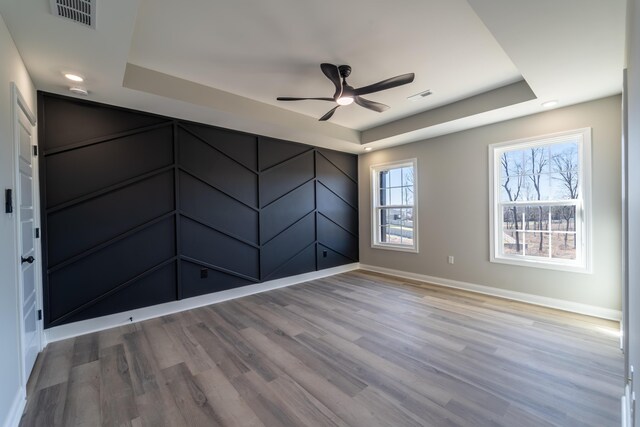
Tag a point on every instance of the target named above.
point(12, 69)
point(454, 207)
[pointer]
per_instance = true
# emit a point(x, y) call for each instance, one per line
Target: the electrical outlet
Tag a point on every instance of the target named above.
point(324, 254)
point(450, 259)
point(204, 273)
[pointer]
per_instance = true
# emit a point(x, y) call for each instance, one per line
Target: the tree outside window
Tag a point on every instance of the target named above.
point(539, 201)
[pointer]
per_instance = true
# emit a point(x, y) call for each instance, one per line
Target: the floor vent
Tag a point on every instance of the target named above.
point(80, 11)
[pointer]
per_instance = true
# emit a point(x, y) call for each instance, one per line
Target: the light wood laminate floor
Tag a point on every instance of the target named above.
point(357, 349)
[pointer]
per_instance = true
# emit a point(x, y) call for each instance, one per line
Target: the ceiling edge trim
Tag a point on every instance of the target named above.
point(501, 97)
point(157, 83)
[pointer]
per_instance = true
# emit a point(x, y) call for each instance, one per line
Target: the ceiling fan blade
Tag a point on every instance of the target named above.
point(328, 115)
point(288, 98)
point(371, 105)
point(386, 84)
point(333, 74)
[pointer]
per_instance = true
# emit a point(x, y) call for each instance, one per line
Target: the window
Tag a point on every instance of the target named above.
point(540, 201)
point(395, 213)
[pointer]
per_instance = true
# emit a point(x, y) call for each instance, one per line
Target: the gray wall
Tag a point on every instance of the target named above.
point(12, 69)
point(632, 330)
point(454, 207)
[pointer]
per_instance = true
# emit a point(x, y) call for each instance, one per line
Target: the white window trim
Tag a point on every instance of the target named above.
point(375, 205)
point(585, 265)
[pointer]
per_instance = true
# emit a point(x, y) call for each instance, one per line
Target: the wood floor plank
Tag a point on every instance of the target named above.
point(233, 410)
point(190, 398)
point(338, 402)
point(187, 347)
point(117, 403)
point(355, 349)
point(56, 365)
point(85, 349)
point(82, 405)
point(163, 345)
point(47, 408)
point(264, 402)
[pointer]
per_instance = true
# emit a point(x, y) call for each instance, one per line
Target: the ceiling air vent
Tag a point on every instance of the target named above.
point(420, 95)
point(80, 11)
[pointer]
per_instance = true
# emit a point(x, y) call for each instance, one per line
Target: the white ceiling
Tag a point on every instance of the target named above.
point(224, 63)
point(262, 50)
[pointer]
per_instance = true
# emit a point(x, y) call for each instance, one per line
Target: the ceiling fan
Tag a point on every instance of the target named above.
point(346, 94)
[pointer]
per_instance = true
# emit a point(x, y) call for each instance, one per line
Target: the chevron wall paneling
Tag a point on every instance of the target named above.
point(218, 200)
point(337, 208)
point(139, 209)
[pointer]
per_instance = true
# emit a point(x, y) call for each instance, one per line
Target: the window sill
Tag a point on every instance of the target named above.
point(396, 248)
point(541, 264)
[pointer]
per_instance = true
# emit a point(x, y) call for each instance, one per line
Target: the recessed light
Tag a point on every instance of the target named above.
point(79, 90)
point(74, 77)
point(367, 148)
point(550, 104)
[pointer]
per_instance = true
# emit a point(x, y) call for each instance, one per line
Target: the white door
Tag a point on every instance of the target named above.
point(27, 246)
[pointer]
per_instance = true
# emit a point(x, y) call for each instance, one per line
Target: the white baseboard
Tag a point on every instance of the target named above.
point(112, 320)
point(574, 307)
point(17, 407)
point(625, 404)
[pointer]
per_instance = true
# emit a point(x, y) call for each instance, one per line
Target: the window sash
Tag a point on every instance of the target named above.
point(578, 232)
point(563, 202)
point(582, 218)
point(378, 208)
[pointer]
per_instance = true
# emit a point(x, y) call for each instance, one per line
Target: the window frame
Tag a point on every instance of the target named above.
point(375, 205)
point(583, 231)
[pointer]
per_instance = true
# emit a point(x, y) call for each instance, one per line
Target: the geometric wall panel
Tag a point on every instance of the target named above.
point(342, 161)
point(337, 238)
point(241, 147)
point(285, 211)
point(76, 173)
point(194, 284)
point(287, 244)
point(302, 262)
point(101, 272)
point(80, 227)
point(214, 208)
point(143, 209)
point(200, 159)
point(336, 180)
point(336, 209)
point(274, 151)
point(281, 179)
point(209, 246)
point(69, 122)
point(328, 258)
point(157, 287)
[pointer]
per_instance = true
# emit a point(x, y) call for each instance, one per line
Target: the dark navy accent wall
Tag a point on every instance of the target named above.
point(139, 209)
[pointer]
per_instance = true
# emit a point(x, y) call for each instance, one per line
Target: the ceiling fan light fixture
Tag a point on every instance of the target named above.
point(79, 90)
point(345, 100)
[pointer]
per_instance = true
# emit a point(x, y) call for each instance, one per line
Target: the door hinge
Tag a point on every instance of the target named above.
point(35, 150)
point(39, 314)
point(37, 233)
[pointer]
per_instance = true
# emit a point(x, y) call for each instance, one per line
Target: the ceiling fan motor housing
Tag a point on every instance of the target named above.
point(345, 71)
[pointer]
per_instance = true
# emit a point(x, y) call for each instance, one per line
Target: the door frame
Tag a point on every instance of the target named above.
point(18, 105)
